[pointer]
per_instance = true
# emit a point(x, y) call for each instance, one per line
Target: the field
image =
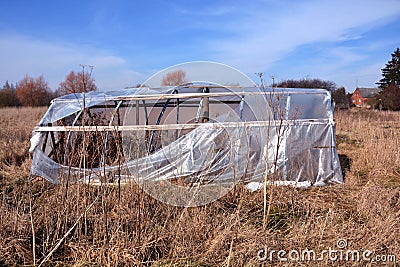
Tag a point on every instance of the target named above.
point(81, 225)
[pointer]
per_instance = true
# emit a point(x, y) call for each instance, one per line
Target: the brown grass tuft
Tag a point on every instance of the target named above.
point(131, 228)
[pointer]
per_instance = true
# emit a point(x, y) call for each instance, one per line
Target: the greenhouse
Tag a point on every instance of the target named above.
point(190, 134)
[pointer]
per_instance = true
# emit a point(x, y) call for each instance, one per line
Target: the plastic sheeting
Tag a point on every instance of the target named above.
point(286, 134)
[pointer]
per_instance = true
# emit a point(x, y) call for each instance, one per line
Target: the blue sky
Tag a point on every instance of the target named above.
point(347, 41)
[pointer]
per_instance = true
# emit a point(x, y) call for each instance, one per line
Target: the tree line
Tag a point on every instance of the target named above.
point(387, 99)
point(34, 92)
point(341, 98)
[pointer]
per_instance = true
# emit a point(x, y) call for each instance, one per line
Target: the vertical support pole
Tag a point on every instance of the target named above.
point(137, 112)
point(177, 118)
point(199, 109)
point(332, 129)
point(241, 107)
point(45, 140)
point(286, 134)
point(206, 106)
point(145, 112)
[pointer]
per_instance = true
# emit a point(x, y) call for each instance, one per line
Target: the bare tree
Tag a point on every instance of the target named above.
point(77, 83)
point(33, 92)
point(174, 78)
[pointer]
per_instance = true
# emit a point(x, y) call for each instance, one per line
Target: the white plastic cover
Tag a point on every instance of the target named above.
point(287, 132)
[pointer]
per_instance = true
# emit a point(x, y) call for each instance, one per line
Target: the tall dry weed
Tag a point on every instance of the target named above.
point(124, 226)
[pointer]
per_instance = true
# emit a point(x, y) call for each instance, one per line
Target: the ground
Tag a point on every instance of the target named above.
point(124, 226)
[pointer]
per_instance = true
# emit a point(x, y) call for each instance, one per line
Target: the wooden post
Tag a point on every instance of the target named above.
point(137, 112)
point(206, 107)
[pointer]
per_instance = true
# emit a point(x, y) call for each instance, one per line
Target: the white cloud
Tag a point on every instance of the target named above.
point(268, 33)
point(206, 11)
point(24, 56)
point(363, 77)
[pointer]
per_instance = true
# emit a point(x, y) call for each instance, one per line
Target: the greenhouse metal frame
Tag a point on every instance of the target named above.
point(193, 133)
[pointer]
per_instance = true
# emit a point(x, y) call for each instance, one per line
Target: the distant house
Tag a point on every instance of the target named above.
point(361, 96)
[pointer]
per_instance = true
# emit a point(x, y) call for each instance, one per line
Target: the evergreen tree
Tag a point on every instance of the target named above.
point(341, 98)
point(389, 97)
point(391, 72)
point(8, 96)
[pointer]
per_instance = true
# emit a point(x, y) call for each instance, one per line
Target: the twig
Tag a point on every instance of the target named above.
point(68, 232)
point(33, 228)
point(234, 228)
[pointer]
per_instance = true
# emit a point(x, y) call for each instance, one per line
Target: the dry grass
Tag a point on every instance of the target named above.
point(124, 226)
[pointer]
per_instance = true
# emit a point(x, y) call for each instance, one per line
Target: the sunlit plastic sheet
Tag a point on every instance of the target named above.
point(287, 132)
